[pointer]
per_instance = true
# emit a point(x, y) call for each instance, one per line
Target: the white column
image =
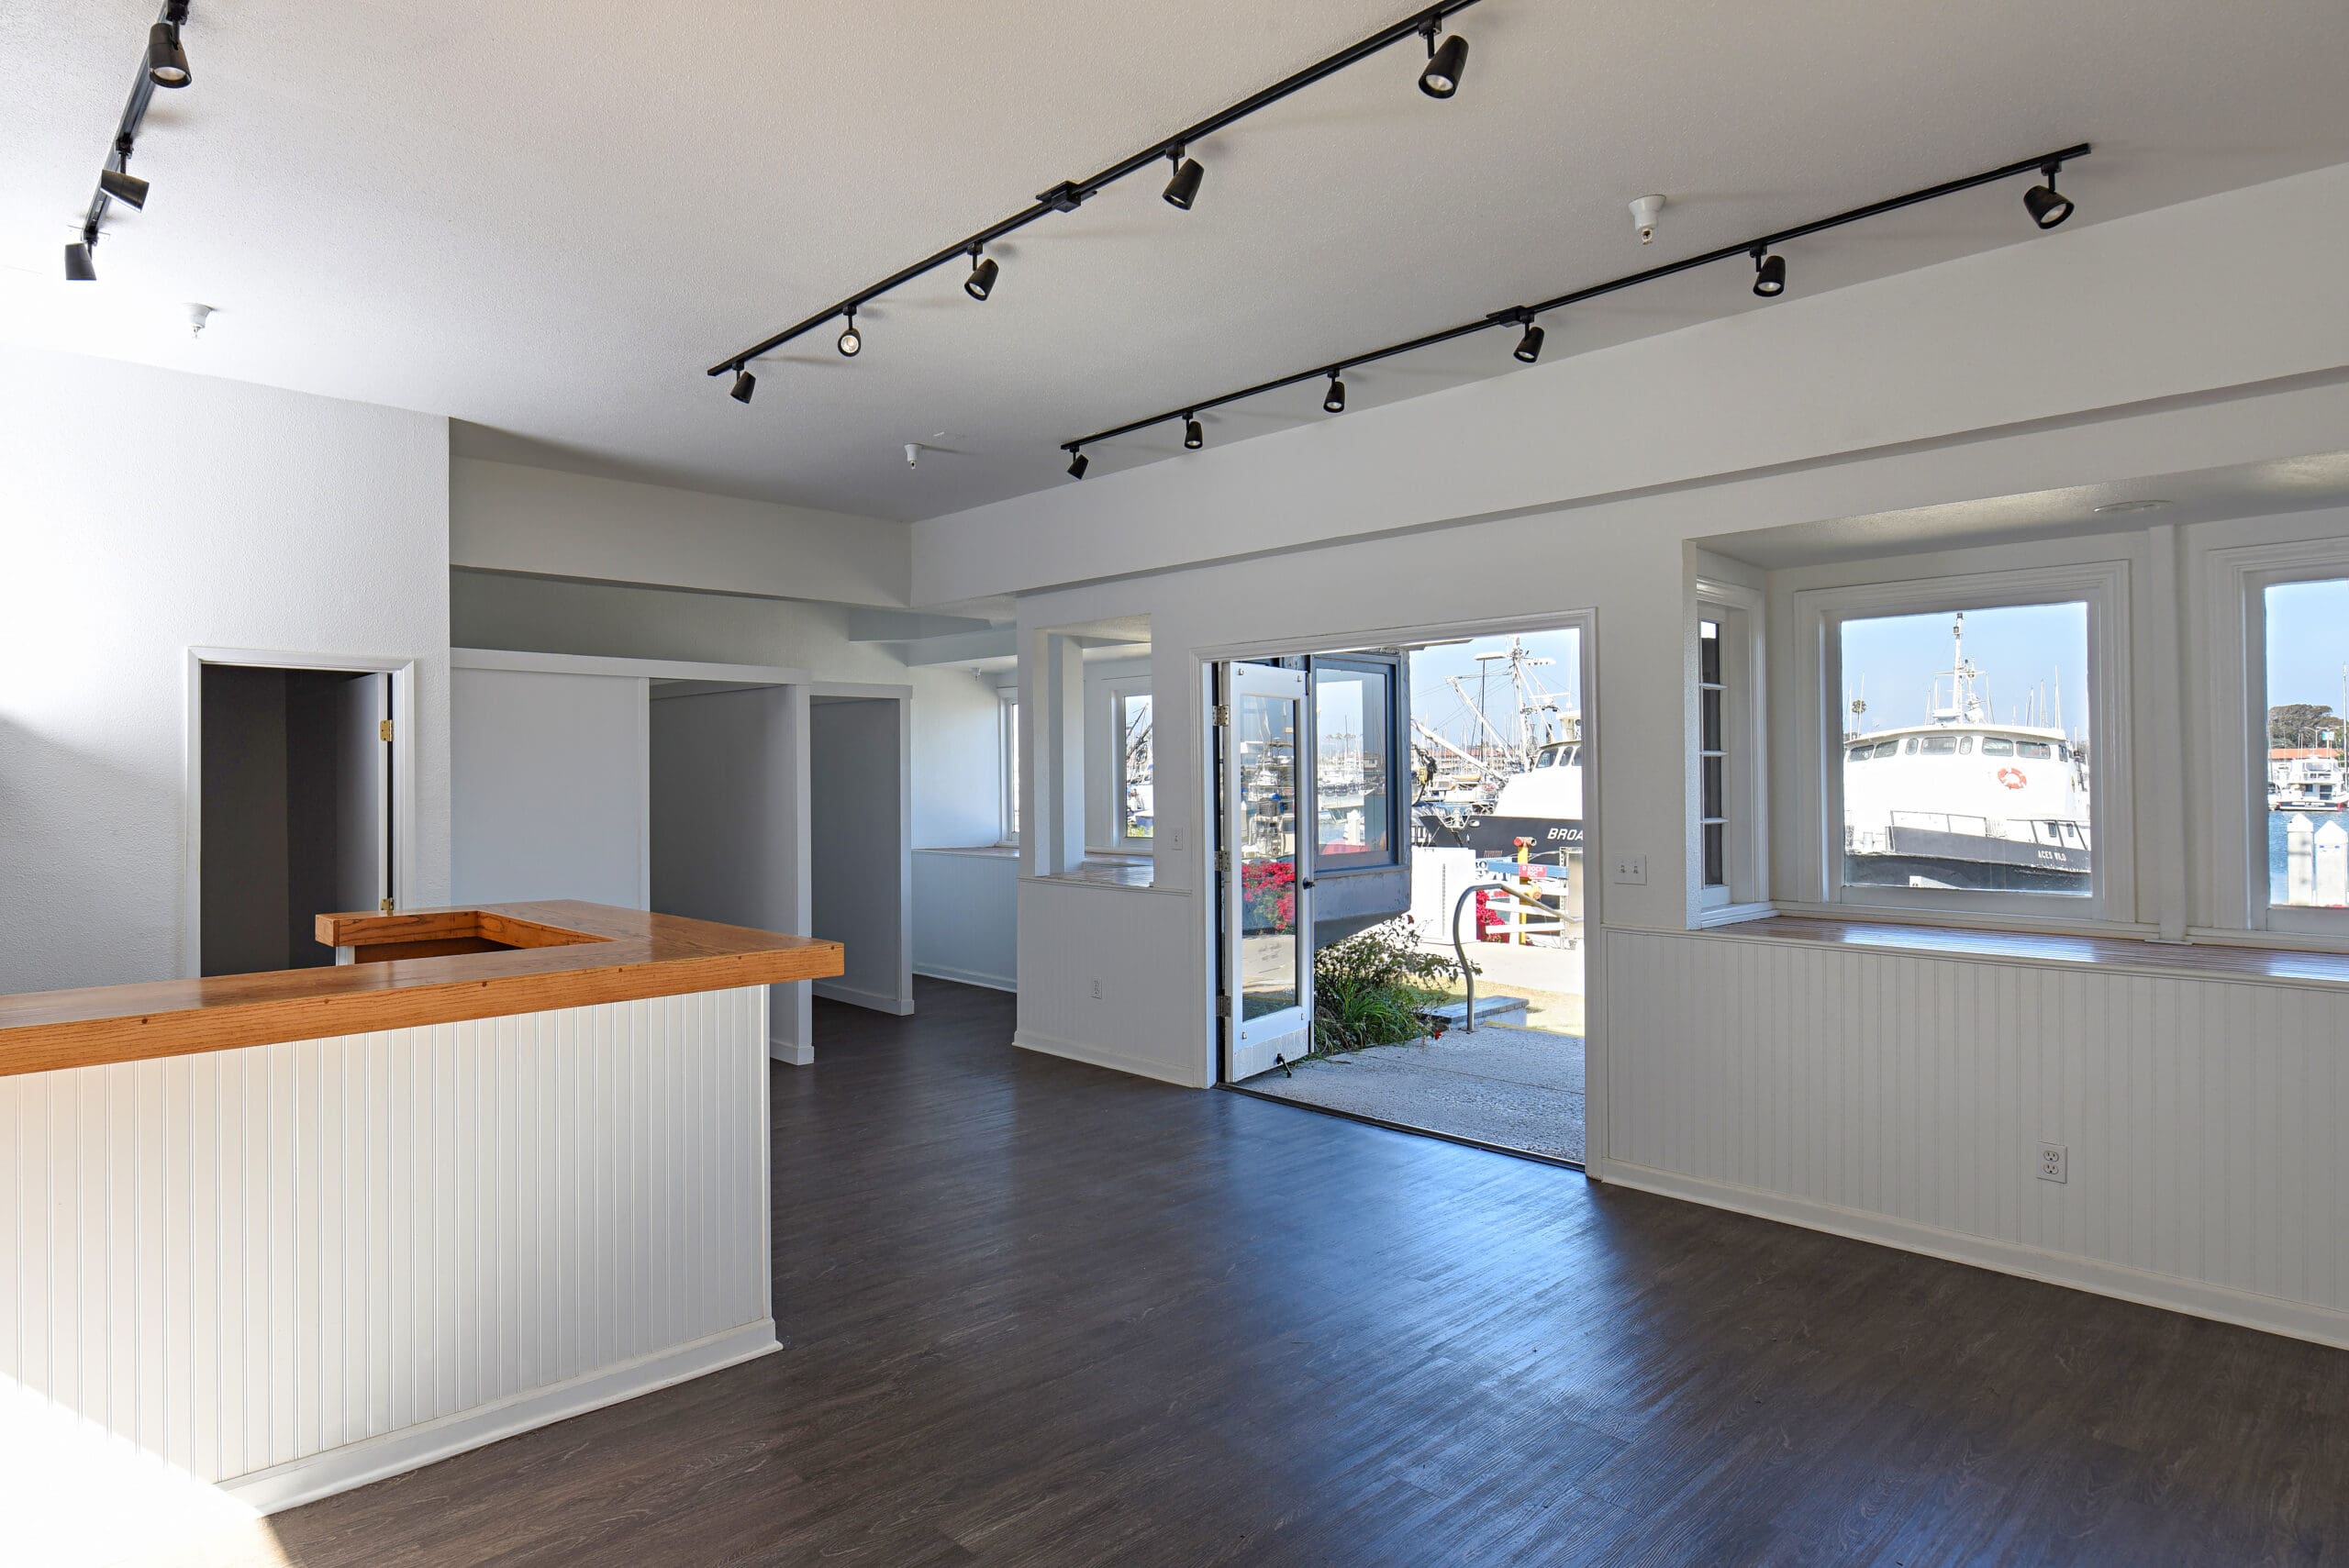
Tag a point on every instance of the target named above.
point(2332, 845)
point(2300, 860)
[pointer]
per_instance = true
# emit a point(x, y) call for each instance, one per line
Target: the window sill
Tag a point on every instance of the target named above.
point(2118, 955)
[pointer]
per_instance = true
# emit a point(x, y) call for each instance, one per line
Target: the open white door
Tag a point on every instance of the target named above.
point(363, 870)
point(1267, 884)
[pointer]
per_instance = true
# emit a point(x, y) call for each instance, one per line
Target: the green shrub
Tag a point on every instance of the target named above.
point(1376, 988)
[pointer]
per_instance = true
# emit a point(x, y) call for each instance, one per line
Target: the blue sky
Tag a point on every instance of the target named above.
point(2308, 641)
point(1433, 702)
point(2019, 649)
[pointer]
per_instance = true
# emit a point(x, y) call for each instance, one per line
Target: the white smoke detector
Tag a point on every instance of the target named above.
point(1644, 213)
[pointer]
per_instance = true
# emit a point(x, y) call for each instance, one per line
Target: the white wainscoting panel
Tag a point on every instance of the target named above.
point(267, 1269)
point(1905, 1096)
point(967, 917)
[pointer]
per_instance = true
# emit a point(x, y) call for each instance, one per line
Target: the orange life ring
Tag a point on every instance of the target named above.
point(2012, 778)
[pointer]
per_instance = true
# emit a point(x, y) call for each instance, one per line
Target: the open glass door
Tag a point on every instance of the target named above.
point(1267, 883)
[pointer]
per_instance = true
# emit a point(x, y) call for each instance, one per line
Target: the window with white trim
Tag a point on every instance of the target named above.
point(1728, 839)
point(2302, 750)
point(1011, 739)
point(1971, 753)
point(1134, 807)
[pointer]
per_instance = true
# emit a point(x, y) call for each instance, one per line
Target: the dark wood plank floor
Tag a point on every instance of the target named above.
point(1040, 1314)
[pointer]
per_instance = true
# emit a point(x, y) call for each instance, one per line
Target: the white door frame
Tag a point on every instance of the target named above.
point(904, 697)
point(1243, 1057)
point(1596, 1043)
point(403, 806)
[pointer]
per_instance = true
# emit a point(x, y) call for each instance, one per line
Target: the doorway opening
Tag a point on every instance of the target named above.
point(293, 811)
point(1405, 886)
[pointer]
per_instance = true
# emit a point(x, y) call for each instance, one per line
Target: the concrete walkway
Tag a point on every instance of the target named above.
point(1520, 1089)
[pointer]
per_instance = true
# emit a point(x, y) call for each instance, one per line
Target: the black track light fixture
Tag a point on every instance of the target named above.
point(1334, 400)
point(1078, 462)
point(2046, 209)
point(1769, 272)
point(1184, 188)
point(852, 341)
point(1446, 61)
point(1529, 346)
point(981, 283)
point(81, 263)
point(744, 384)
point(1193, 437)
point(166, 58)
point(124, 186)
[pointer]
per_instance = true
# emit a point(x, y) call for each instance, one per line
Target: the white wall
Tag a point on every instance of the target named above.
point(551, 780)
point(856, 888)
point(508, 517)
point(959, 929)
point(2184, 302)
point(143, 512)
point(956, 715)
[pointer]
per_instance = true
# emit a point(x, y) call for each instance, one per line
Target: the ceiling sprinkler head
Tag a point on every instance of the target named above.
point(1644, 212)
point(198, 315)
point(913, 452)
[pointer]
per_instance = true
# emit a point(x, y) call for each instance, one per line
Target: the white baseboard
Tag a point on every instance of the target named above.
point(791, 1053)
point(857, 996)
point(2224, 1304)
point(967, 977)
point(1102, 1056)
point(338, 1470)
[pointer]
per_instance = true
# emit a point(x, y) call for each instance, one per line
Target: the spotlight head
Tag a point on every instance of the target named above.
point(2046, 209)
point(1446, 63)
point(744, 384)
point(80, 266)
point(1193, 437)
point(1529, 346)
point(1077, 464)
point(1769, 274)
point(1334, 400)
point(124, 186)
point(166, 60)
point(852, 341)
point(981, 283)
point(1184, 188)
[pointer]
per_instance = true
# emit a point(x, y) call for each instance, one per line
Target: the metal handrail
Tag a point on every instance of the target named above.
point(1468, 970)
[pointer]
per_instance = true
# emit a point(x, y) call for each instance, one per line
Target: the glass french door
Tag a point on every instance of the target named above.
point(1267, 883)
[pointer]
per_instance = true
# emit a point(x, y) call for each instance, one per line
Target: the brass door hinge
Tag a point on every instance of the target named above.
point(1221, 715)
point(1223, 863)
point(383, 730)
point(383, 906)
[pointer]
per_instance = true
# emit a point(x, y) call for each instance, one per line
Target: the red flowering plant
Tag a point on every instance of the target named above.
point(1267, 895)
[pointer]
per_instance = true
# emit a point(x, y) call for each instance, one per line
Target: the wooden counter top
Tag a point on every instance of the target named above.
point(567, 955)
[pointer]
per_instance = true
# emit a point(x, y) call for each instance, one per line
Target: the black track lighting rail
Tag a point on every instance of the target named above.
point(1518, 315)
point(1069, 195)
point(152, 68)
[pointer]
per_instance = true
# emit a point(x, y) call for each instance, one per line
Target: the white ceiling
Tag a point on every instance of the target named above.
point(545, 217)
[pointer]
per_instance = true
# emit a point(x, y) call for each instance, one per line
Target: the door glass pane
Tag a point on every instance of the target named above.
point(2307, 744)
point(1264, 732)
point(1352, 710)
point(1984, 779)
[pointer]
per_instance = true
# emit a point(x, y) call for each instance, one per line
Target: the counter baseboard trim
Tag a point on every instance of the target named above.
point(320, 1475)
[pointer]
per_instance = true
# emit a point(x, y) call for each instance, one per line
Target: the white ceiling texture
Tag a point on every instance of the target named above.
point(546, 217)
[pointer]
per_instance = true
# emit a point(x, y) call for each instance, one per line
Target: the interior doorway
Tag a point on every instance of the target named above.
point(1441, 989)
point(294, 809)
point(861, 846)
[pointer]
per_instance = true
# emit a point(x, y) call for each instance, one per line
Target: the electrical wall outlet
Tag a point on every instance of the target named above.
point(1631, 870)
point(1096, 989)
point(2054, 1162)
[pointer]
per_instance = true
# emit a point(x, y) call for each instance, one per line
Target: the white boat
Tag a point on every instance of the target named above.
point(1963, 801)
point(2301, 779)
